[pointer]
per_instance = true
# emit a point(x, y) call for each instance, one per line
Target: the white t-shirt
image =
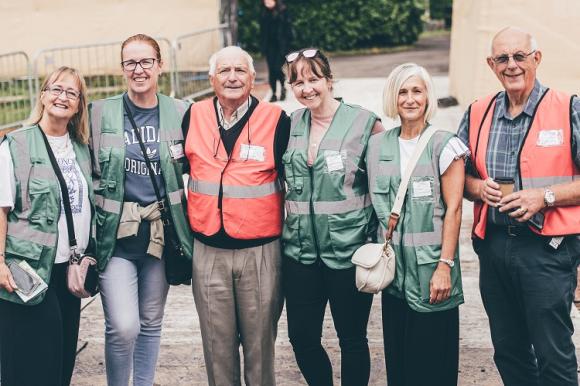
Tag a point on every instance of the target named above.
point(453, 150)
point(77, 190)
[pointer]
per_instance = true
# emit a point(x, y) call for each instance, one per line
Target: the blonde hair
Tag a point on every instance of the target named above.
point(395, 81)
point(78, 126)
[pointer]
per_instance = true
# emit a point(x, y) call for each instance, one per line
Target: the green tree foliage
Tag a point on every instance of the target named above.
point(339, 24)
point(441, 9)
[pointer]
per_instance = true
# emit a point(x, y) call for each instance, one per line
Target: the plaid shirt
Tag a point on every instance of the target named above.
point(505, 140)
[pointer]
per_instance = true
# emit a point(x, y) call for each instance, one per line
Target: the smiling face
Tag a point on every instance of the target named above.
point(412, 101)
point(233, 79)
point(309, 89)
point(141, 81)
point(517, 78)
point(61, 106)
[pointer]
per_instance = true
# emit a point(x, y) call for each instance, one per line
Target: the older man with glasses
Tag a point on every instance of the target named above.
point(234, 146)
point(523, 179)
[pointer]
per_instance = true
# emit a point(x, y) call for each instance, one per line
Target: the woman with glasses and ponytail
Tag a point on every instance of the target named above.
point(329, 215)
point(130, 230)
point(39, 316)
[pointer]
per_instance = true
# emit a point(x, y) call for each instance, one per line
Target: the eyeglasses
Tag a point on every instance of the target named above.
point(518, 57)
point(57, 91)
point(131, 65)
point(307, 53)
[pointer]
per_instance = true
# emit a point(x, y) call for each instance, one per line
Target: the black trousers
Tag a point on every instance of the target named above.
point(527, 289)
point(39, 342)
point(421, 348)
point(275, 74)
point(308, 288)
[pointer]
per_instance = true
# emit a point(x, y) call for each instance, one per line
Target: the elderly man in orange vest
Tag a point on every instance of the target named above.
point(523, 179)
point(234, 145)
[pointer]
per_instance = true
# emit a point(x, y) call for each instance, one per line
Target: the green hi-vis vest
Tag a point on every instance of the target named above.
point(33, 223)
point(328, 209)
point(418, 236)
point(108, 146)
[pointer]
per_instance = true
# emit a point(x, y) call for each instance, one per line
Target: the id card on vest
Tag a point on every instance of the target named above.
point(253, 152)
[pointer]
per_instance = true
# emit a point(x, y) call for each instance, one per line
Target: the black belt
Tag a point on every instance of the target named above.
point(513, 230)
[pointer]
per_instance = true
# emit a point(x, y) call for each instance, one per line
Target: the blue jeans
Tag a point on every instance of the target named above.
point(133, 293)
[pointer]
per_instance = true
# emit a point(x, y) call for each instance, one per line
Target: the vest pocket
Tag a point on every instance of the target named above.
point(39, 194)
point(380, 191)
point(29, 251)
point(291, 245)
point(426, 265)
point(347, 233)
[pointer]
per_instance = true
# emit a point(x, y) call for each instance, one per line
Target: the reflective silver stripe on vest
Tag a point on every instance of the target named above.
point(22, 166)
point(534, 182)
point(112, 140)
point(354, 147)
point(95, 138)
point(42, 171)
point(22, 230)
point(107, 205)
point(230, 191)
point(297, 141)
point(170, 135)
point(329, 207)
point(175, 197)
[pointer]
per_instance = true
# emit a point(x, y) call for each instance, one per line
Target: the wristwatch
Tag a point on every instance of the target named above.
point(449, 262)
point(549, 197)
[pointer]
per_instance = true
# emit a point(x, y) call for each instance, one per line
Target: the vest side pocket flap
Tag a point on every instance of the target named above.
point(37, 160)
point(381, 184)
point(368, 255)
point(386, 157)
point(24, 250)
point(427, 255)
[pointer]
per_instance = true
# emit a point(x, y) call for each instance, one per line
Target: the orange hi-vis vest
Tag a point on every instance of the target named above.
point(243, 192)
point(545, 158)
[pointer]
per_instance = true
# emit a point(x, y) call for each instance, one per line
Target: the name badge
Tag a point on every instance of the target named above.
point(176, 151)
point(333, 160)
point(253, 152)
point(422, 189)
point(549, 138)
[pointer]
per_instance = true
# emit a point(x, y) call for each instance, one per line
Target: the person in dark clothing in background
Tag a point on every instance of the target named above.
point(276, 36)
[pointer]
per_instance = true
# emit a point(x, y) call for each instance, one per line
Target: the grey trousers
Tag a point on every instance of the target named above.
point(238, 298)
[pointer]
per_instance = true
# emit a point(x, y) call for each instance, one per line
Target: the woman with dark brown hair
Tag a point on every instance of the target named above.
point(130, 232)
point(39, 324)
point(329, 215)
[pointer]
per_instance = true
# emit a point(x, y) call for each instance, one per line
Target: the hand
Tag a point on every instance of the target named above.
point(440, 284)
point(523, 204)
point(6, 279)
point(489, 192)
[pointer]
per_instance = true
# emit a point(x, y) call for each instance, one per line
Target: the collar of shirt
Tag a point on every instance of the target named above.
point(236, 116)
point(533, 99)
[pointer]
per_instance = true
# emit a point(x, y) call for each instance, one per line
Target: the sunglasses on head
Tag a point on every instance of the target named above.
point(307, 53)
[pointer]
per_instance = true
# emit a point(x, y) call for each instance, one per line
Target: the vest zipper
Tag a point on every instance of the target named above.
point(312, 222)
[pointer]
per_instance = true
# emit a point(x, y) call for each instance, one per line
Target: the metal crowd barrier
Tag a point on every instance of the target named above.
point(99, 64)
point(15, 90)
point(184, 76)
point(192, 52)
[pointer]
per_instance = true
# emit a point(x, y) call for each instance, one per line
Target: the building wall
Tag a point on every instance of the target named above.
point(554, 24)
point(30, 25)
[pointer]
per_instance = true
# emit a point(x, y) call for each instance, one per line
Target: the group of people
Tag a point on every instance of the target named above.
point(276, 207)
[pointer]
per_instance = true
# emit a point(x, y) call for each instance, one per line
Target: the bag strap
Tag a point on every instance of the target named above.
point(405, 178)
point(165, 217)
point(72, 241)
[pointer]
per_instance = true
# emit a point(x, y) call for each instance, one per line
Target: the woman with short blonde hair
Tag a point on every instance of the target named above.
point(420, 307)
